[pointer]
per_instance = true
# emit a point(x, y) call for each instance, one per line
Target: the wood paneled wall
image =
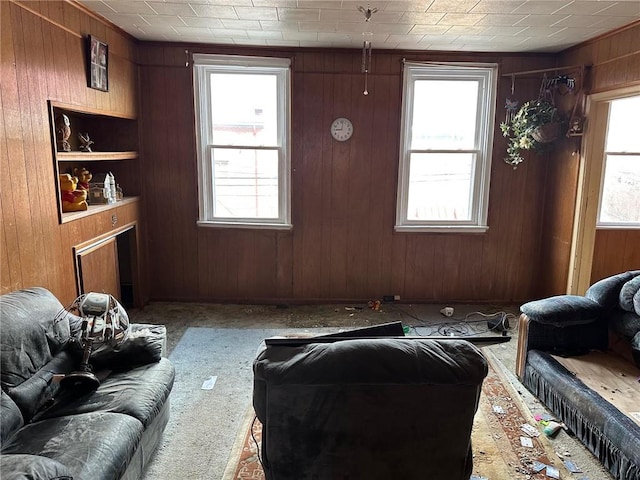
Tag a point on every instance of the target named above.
point(44, 58)
point(615, 61)
point(342, 246)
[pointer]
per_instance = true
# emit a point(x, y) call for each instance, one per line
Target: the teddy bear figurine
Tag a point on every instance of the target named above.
point(73, 200)
point(84, 177)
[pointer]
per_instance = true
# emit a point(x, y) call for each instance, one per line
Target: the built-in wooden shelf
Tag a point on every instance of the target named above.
point(95, 156)
point(93, 209)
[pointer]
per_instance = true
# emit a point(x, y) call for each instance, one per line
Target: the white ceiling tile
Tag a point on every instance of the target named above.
point(124, 6)
point(241, 24)
point(400, 6)
point(334, 37)
point(225, 32)
point(391, 28)
point(203, 22)
point(622, 9)
point(461, 19)
point(452, 6)
point(405, 38)
point(318, 26)
point(167, 8)
point(280, 26)
point(261, 13)
point(168, 20)
point(300, 36)
point(262, 35)
point(425, 18)
point(501, 19)
point(215, 11)
point(430, 29)
point(299, 15)
point(577, 21)
point(275, 3)
point(509, 25)
point(540, 7)
point(496, 6)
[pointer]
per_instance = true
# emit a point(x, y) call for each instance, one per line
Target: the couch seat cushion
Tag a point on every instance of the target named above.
point(140, 393)
point(32, 467)
point(563, 310)
point(92, 446)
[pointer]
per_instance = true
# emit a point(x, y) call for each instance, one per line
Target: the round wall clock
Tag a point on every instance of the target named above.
point(341, 129)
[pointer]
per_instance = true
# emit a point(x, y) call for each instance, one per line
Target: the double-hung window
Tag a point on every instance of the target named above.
point(620, 198)
point(243, 118)
point(445, 150)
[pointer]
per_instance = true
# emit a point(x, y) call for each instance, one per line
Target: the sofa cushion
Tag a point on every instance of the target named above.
point(11, 417)
point(607, 291)
point(563, 310)
point(34, 335)
point(140, 393)
point(635, 349)
point(92, 446)
point(627, 293)
point(32, 467)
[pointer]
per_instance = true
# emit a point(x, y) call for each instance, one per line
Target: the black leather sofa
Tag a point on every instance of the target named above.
point(607, 319)
point(51, 432)
point(374, 408)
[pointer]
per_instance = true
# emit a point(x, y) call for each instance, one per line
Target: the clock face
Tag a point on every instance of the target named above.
point(342, 129)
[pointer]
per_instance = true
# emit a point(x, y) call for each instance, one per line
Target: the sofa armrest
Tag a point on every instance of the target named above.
point(144, 344)
point(562, 325)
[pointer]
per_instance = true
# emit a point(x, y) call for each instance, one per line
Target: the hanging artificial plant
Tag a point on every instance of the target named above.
point(534, 126)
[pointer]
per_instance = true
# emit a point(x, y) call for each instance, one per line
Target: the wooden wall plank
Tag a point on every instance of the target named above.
point(43, 58)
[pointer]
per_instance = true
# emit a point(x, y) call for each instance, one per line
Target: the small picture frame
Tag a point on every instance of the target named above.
point(98, 64)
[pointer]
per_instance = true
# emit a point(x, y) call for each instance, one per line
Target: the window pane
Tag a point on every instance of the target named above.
point(244, 109)
point(444, 114)
point(245, 183)
point(622, 133)
point(440, 186)
point(621, 189)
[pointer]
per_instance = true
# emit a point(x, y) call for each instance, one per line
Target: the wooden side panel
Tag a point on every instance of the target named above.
point(99, 269)
point(43, 58)
point(615, 251)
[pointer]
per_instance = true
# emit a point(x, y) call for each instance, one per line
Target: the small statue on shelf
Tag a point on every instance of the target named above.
point(63, 129)
point(85, 142)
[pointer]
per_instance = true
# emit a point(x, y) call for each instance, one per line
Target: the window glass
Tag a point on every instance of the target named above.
point(445, 157)
point(620, 193)
point(242, 106)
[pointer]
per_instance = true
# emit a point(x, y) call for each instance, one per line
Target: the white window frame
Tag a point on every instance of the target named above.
point(203, 66)
point(486, 75)
point(600, 224)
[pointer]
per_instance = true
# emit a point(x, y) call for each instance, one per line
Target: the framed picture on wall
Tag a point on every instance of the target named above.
point(98, 64)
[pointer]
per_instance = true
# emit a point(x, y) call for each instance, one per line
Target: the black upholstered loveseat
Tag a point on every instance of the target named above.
point(52, 432)
point(602, 329)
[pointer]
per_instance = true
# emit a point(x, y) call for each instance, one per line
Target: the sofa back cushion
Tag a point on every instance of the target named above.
point(607, 291)
point(34, 334)
point(11, 417)
point(630, 295)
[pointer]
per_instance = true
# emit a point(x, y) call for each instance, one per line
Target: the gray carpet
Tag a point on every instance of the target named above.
point(204, 423)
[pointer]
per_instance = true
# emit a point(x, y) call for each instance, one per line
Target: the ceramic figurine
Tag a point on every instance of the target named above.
point(63, 129)
point(85, 142)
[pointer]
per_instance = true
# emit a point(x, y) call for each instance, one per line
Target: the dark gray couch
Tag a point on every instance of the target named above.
point(49, 432)
point(369, 408)
point(568, 325)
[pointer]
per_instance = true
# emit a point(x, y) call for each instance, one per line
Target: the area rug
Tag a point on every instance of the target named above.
point(496, 438)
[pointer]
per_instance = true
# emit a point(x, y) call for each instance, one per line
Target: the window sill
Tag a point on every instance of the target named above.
point(256, 226)
point(441, 229)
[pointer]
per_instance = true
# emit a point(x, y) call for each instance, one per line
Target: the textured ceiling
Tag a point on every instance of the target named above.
point(451, 25)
